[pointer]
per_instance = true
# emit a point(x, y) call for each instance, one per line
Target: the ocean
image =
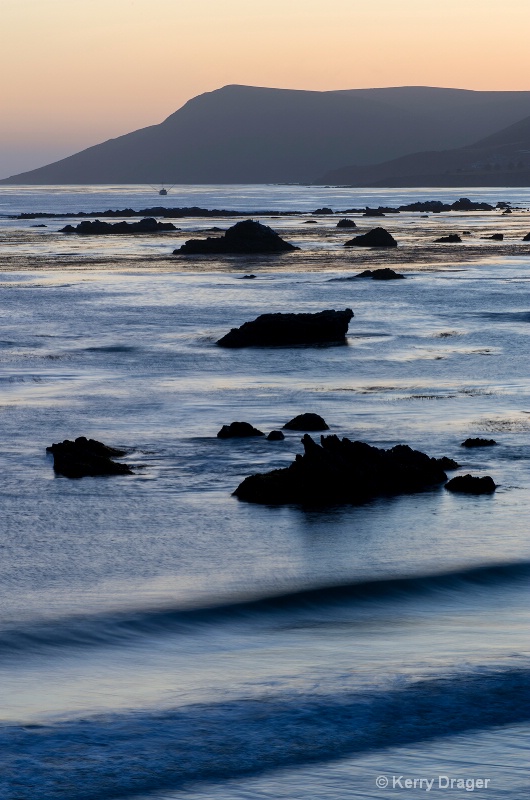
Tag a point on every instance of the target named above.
point(160, 638)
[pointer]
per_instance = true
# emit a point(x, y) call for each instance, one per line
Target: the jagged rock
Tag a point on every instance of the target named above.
point(469, 484)
point(148, 225)
point(346, 223)
point(478, 442)
point(323, 210)
point(248, 236)
point(307, 422)
point(497, 237)
point(275, 436)
point(453, 238)
point(86, 458)
point(384, 274)
point(378, 237)
point(448, 463)
point(374, 212)
point(342, 471)
point(465, 204)
point(289, 329)
point(526, 238)
point(238, 430)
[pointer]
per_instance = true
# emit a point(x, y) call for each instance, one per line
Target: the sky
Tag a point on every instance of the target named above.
point(78, 72)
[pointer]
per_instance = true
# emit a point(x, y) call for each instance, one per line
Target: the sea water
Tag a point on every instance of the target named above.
point(159, 638)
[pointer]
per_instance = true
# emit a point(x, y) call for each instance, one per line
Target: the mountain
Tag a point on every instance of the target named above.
point(502, 159)
point(246, 134)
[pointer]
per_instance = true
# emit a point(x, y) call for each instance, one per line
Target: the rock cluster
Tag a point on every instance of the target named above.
point(342, 471)
point(247, 237)
point(290, 329)
point(86, 458)
point(98, 228)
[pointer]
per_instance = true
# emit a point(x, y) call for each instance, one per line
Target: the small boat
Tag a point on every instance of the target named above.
point(163, 192)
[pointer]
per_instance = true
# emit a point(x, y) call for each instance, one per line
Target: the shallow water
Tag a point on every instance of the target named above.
point(143, 647)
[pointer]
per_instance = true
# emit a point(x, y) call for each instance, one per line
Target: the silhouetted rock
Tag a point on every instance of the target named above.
point(453, 238)
point(373, 212)
point(497, 237)
point(248, 236)
point(342, 471)
point(527, 238)
point(465, 204)
point(346, 223)
point(238, 430)
point(275, 436)
point(384, 274)
point(378, 237)
point(447, 463)
point(290, 329)
point(307, 422)
point(38, 226)
point(478, 442)
point(469, 484)
point(323, 210)
point(86, 458)
point(247, 277)
point(98, 228)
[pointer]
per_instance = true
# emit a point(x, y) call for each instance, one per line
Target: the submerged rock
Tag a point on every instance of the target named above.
point(469, 484)
point(378, 237)
point(238, 430)
point(98, 228)
point(453, 238)
point(275, 436)
point(346, 223)
point(86, 458)
point(288, 329)
point(478, 442)
point(307, 422)
point(384, 274)
point(342, 471)
point(248, 236)
point(497, 237)
point(247, 277)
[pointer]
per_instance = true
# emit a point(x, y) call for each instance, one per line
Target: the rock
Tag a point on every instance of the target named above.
point(448, 463)
point(465, 204)
point(275, 436)
point(38, 226)
point(507, 211)
point(342, 471)
point(374, 212)
point(307, 422)
point(384, 274)
point(248, 236)
point(497, 237)
point(453, 238)
point(478, 442)
point(323, 210)
point(289, 329)
point(346, 223)
point(469, 484)
point(247, 277)
point(86, 458)
point(378, 237)
point(238, 430)
point(310, 222)
point(98, 228)
point(527, 238)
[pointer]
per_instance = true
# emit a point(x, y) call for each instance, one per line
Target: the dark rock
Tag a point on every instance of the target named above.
point(465, 204)
point(378, 237)
point(527, 238)
point(447, 463)
point(238, 430)
point(507, 211)
point(98, 228)
point(289, 329)
point(342, 471)
point(86, 458)
point(453, 238)
point(323, 210)
point(275, 436)
point(497, 237)
point(310, 222)
point(384, 274)
point(248, 236)
point(478, 442)
point(374, 212)
point(38, 226)
point(346, 223)
point(247, 277)
point(307, 422)
point(469, 484)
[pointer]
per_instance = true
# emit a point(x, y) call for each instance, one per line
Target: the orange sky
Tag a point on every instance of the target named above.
point(76, 72)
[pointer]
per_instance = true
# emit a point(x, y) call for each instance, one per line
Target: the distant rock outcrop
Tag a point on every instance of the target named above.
point(378, 237)
point(497, 237)
point(238, 430)
point(290, 329)
point(478, 442)
point(86, 458)
point(383, 274)
point(98, 228)
point(342, 471)
point(470, 484)
point(346, 223)
point(453, 238)
point(307, 422)
point(244, 237)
